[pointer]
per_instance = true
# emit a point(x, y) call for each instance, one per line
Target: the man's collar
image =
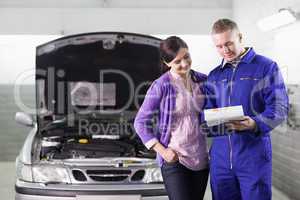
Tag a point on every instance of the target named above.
point(246, 57)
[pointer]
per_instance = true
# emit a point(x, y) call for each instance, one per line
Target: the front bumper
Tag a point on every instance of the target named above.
point(37, 197)
point(34, 191)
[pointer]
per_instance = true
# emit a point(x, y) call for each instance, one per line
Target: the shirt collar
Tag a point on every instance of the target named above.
point(176, 76)
point(244, 57)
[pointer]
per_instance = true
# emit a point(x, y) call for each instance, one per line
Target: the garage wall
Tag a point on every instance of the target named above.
point(67, 21)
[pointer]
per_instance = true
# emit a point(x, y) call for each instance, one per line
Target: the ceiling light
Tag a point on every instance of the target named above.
point(283, 17)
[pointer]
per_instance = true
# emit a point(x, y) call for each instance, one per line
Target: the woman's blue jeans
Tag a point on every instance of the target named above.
point(182, 183)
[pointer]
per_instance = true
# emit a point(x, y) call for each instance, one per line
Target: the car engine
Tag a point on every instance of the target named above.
point(59, 142)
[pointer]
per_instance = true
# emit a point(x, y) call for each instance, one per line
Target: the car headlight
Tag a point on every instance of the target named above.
point(24, 172)
point(50, 174)
point(153, 175)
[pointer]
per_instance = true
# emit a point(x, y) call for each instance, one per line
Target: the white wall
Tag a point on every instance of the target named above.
point(115, 4)
point(287, 51)
point(281, 44)
point(17, 57)
point(75, 20)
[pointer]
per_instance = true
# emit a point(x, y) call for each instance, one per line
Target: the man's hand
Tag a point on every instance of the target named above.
point(169, 155)
point(241, 125)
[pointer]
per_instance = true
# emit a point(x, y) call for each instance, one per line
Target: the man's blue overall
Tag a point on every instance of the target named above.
point(241, 162)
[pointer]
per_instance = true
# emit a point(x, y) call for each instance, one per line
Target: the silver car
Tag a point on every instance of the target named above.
point(82, 145)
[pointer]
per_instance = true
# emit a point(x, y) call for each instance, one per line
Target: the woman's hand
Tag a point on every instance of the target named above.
point(168, 154)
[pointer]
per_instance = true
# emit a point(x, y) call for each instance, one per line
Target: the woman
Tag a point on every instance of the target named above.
point(176, 99)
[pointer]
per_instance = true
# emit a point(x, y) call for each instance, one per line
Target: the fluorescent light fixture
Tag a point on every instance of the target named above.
point(283, 17)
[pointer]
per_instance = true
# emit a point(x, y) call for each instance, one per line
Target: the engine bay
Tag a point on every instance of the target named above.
point(59, 148)
point(58, 141)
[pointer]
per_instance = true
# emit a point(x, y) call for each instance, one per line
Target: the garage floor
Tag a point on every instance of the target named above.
point(7, 174)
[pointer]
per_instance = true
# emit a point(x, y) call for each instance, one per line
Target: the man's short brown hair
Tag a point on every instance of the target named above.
point(223, 25)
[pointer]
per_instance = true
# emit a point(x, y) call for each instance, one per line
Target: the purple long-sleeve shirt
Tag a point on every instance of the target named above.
point(186, 137)
point(160, 101)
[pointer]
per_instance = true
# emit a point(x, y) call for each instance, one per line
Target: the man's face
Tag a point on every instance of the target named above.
point(228, 44)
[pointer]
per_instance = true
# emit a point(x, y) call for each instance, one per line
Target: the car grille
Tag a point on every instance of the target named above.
point(108, 175)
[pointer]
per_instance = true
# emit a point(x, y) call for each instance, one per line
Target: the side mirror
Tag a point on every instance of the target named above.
point(24, 119)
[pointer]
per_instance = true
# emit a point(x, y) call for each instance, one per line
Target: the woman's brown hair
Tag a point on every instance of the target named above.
point(169, 49)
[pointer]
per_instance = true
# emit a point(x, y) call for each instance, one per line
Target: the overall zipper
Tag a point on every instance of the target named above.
point(229, 101)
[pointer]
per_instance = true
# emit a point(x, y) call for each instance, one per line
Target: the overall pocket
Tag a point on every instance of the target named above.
point(267, 148)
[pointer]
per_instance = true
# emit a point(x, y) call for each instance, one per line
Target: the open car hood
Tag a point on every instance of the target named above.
point(107, 73)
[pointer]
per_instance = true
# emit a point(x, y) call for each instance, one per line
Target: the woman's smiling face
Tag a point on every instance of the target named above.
point(181, 64)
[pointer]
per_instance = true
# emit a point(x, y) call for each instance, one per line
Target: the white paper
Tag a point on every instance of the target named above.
point(218, 116)
point(108, 197)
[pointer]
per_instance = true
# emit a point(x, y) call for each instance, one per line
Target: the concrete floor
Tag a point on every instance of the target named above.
point(7, 174)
